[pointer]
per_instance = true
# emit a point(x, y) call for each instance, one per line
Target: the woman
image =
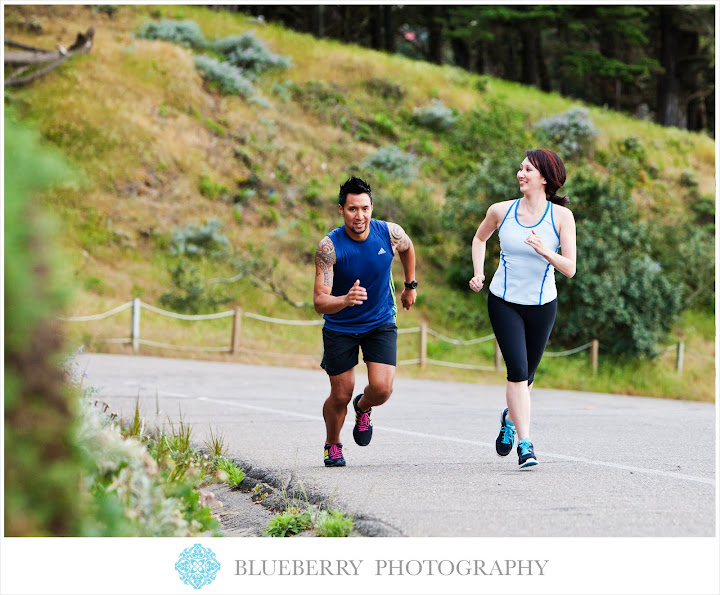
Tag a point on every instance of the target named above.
point(522, 302)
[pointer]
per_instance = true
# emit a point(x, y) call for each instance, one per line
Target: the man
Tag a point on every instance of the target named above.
point(355, 292)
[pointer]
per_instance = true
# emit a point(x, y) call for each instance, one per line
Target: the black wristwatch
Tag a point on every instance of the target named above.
point(411, 285)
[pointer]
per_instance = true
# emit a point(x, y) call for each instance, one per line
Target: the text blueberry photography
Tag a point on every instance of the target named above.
point(197, 566)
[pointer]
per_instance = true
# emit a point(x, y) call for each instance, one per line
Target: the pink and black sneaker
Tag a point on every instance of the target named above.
point(362, 432)
point(334, 455)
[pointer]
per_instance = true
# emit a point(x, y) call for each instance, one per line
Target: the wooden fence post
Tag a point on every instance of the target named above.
point(498, 357)
point(236, 327)
point(680, 356)
point(594, 349)
point(135, 325)
point(423, 345)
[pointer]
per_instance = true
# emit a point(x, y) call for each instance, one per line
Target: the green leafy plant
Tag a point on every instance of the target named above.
point(200, 240)
point(333, 523)
point(190, 293)
point(227, 78)
point(436, 116)
point(216, 444)
point(394, 161)
point(250, 54)
point(620, 294)
point(386, 89)
point(213, 190)
point(571, 133)
point(185, 33)
point(235, 475)
point(291, 521)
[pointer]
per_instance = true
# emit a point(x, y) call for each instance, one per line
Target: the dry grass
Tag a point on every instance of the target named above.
point(146, 130)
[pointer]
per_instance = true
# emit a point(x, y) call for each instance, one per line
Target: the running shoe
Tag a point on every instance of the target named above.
point(526, 454)
point(362, 432)
point(334, 455)
point(506, 437)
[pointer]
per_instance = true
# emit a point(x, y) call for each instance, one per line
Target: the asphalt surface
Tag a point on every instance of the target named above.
point(610, 465)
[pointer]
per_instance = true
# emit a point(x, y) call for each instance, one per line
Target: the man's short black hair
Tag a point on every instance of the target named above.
point(353, 185)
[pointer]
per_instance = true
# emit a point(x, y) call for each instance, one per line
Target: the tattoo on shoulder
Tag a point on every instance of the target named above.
point(398, 238)
point(325, 259)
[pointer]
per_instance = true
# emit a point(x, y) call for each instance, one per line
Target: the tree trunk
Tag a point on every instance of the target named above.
point(669, 112)
point(389, 29)
point(375, 28)
point(461, 52)
point(435, 34)
point(529, 73)
point(317, 21)
point(543, 74)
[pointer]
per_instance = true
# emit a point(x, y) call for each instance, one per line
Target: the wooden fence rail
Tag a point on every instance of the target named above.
point(237, 314)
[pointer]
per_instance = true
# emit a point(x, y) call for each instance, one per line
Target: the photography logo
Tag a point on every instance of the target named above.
point(197, 566)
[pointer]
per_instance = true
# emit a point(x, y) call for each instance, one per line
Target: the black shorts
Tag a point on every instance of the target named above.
point(340, 350)
point(522, 333)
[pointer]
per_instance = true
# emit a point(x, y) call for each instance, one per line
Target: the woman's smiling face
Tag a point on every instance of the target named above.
point(530, 178)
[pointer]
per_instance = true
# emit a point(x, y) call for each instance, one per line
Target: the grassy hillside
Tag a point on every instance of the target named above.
point(158, 149)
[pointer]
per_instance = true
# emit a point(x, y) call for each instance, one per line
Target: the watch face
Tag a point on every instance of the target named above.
point(411, 285)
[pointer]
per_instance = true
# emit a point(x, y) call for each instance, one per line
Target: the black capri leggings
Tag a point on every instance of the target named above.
point(522, 333)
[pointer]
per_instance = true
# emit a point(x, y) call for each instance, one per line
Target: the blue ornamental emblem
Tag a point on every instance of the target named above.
point(197, 566)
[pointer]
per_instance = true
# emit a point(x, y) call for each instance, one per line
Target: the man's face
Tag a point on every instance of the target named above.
point(357, 213)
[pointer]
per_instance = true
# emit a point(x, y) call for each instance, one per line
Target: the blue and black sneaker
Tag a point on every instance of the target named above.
point(526, 454)
point(334, 456)
point(506, 437)
point(362, 432)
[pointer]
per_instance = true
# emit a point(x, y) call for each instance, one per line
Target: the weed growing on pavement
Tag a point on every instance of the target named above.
point(291, 521)
point(333, 523)
point(151, 487)
point(235, 474)
point(216, 444)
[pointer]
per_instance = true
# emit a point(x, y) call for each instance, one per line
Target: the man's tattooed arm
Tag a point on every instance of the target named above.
point(398, 238)
point(325, 259)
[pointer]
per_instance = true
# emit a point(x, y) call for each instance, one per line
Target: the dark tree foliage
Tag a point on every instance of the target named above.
point(651, 61)
point(620, 294)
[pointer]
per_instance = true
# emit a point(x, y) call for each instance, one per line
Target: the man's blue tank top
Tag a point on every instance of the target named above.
point(371, 262)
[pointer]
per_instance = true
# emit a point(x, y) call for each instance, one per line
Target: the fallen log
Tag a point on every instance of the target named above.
point(34, 56)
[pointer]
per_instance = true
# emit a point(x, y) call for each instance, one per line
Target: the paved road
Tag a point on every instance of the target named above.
point(611, 465)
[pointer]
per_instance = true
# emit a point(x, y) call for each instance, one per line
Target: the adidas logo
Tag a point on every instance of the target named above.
point(381, 251)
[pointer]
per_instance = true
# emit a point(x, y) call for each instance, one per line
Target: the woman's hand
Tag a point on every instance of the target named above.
point(476, 282)
point(536, 243)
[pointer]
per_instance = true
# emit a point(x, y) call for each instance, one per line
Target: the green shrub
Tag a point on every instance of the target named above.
point(689, 260)
point(152, 482)
point(498, 134)
point(185, 33)
point(235, 475)
point(212, 190)
point(317, 94)
point(620, 295)
point(333, 523)
point(43, 467)
point(228, 78)
point(190, 293)
point(283, 90)
point(436, 116)
point(291, 521)
point(572, 134)
point(384, 125)
point(393, 161)
point(200, 240)
point(466, 204)
point(386, 89)
point(250, 54)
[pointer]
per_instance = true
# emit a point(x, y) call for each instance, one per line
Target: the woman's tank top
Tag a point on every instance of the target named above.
point(523, 276)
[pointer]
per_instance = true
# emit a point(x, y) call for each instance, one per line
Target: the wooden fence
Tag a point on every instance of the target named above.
point(237, 314)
